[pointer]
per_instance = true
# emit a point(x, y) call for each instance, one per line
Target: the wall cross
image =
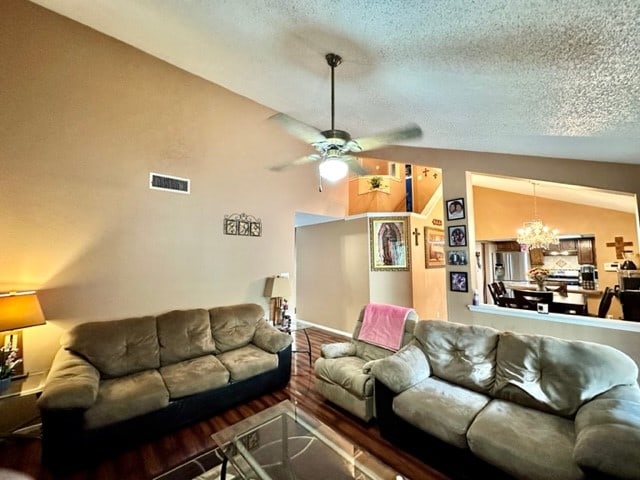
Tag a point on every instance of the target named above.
point(619, 244)
point(416, 234)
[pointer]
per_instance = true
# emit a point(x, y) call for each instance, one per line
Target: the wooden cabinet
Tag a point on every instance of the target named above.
point(536, 256)
point(507, 246)
point(586, 251)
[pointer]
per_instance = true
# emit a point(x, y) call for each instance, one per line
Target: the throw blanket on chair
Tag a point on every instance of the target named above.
point(383, 325)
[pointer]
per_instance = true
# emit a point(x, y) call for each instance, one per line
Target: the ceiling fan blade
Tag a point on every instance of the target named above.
point(300, 161)
point(354, 165)
point(382, 139)
point(304, 132)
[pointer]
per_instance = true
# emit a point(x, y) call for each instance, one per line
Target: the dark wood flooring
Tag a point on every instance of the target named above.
point(151, 459)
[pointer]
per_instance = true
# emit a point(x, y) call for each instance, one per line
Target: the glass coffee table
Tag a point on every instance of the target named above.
point(283, 442)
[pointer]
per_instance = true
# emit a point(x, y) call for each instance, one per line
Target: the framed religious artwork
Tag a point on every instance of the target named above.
point(388, 243)
point(458, 282)
point(455, 209)
point(457, 236)
point(434, 247)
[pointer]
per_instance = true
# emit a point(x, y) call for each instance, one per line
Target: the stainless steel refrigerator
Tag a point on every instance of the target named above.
point(511, 266)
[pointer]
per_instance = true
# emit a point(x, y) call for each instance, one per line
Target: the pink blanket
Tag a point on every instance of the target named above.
point(383, 325)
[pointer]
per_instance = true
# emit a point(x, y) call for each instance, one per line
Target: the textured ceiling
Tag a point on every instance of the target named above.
point(537, 77)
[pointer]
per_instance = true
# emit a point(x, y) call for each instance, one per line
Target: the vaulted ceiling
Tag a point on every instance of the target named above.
point(542, 77)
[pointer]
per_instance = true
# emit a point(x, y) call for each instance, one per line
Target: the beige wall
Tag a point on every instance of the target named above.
point(84, 120)
point(333, 282)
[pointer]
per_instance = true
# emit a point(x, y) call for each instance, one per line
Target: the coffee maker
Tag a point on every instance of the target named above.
point(588, 277)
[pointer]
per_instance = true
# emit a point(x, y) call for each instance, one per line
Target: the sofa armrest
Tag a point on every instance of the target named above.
point(608, 436)
point(337, 350)
point(403, 369)
point(72, 383)
point(269, 338)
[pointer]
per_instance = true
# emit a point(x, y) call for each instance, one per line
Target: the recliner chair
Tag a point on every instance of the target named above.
point(342, 373)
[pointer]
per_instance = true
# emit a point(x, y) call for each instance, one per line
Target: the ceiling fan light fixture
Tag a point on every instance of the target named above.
point(333, 169)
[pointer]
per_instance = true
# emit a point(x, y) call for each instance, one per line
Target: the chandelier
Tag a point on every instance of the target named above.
point(534, 233)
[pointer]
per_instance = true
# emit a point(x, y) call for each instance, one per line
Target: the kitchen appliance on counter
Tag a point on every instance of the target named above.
point(588, 277)
point(629, 280)
point(511, 266)
point(566, 277)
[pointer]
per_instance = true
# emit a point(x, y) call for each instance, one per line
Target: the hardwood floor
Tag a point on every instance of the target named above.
point(151, 459)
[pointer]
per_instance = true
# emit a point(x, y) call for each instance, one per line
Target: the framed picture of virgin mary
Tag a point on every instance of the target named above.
point(388, 244)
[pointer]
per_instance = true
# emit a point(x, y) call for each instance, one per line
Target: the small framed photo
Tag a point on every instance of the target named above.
point(434, 247)
point(458, 282)
point(457, 236)
point(457, 257)
point(455, 209)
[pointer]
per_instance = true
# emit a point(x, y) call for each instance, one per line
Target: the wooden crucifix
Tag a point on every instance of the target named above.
point(619, 244)
point(416, 234)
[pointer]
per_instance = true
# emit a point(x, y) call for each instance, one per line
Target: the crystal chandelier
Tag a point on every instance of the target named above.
point(534, 233)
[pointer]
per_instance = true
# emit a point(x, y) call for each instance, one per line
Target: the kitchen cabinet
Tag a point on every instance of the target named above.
point(536, 256)
point(563, 246)
point(586, 251)
point(507, 246)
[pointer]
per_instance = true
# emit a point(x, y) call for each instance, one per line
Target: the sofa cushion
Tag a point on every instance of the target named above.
point(116, 347)
point(234, 326)
point(524, 442)
point(608, 432)
point(194, 376)
point(557, 375)
point(184, 334)
point(441, 409)
point(346, 372)
point(247, 361)
point(461, 354)
point(127, 397)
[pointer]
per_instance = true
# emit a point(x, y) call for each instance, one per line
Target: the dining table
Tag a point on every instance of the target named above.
point(571, 303)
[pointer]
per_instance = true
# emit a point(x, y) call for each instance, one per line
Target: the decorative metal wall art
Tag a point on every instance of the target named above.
point(242, 224)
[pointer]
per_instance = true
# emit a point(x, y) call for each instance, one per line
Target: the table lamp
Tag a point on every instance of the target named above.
point(18, 310)
point(276, 288)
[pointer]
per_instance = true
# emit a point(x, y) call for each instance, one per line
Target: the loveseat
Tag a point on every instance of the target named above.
point(530, 406)
point(342, 373)
point(114, 383)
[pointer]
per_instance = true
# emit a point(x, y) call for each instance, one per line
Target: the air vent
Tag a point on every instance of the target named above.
point(168, 183)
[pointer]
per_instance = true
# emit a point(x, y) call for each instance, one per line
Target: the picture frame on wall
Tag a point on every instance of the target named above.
point(434, 247)
point(457, 236)
point(457, 257)
point(455, 209)
point(458, 282)
point(388, 244)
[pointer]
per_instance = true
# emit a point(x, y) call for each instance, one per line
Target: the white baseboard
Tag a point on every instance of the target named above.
point(323, 327)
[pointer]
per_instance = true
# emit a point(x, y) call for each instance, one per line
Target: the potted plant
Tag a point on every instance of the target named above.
point(375, 182)
point(539, 275)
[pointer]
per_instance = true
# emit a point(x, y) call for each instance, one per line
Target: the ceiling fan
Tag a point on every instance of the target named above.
point(334, 147)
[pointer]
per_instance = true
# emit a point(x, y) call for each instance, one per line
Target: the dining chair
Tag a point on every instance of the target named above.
point(502, 290)
point(605, 302)
point(529, 300)
point(493, 290)
point(630, 301)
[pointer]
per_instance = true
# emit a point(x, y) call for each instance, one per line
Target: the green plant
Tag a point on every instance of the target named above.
point(375, 182)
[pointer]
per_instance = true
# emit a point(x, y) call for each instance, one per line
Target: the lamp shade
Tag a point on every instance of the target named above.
point(20, 310)
point(277, 287)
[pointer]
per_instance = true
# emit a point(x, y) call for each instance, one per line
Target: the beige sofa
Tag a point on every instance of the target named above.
point(115, 382)
point(342, 373)
point(535, 407)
